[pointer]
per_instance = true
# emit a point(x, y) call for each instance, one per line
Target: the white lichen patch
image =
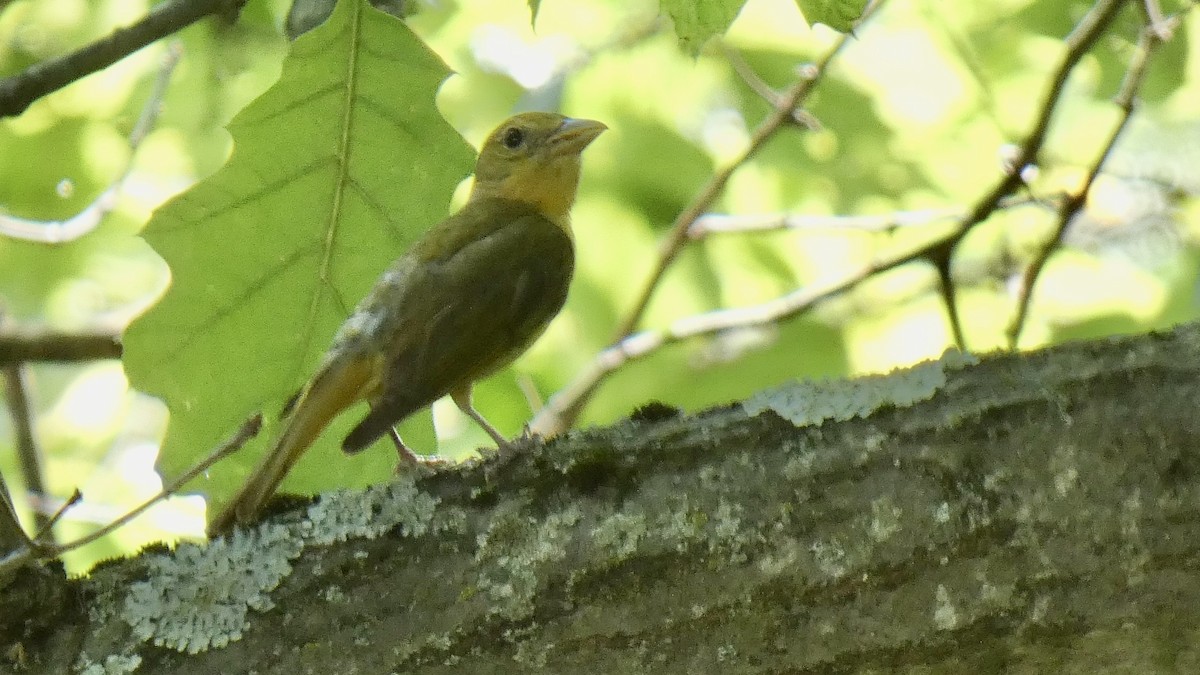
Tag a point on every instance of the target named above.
point(941, 514)
point(115, 664)
point(619, 534)
point(995, 595)
point(334, 594)
point(513, 553)
point(830, 558)
point(198, 597)
point(807, 403)
point(945, 616)
point(680, 526)
point(1134, 555)
point(799, 466)
point(370, 513)
point(885, 519)
point(1065, 467)
point(784, 559)
point(727, 531)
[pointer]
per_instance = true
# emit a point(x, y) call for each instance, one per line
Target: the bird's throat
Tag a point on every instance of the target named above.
point(549, 188)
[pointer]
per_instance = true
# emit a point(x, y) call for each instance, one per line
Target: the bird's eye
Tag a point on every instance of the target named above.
point(513, 138)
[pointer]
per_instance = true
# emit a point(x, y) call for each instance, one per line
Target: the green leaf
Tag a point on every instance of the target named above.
point(698, 20)
point(839, 15)
point(534, 6)
point(337, 168)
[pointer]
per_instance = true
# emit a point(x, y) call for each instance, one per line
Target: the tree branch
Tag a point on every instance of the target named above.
point(1074, 203)
point(564, 407)
point(12, 535)
point(719, 223)
point(88, 219)
point(1035, 508)
point(18, 92)
point(20, 346)
point(1089, 29)
point(28, 454)
point(789, 306)
point(41, 549)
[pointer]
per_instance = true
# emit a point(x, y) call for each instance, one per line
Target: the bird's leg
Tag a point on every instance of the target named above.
point(462, 399)
point(408, 458)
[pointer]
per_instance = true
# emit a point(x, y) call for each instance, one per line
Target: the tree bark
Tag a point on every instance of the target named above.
point(1038, 513)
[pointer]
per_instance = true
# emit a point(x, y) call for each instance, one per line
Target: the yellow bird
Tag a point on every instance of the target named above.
point(469, 297)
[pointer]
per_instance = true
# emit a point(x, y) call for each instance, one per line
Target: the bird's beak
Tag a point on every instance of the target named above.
point(575, 134)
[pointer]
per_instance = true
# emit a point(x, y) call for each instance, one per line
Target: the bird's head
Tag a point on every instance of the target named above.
point(533, 157)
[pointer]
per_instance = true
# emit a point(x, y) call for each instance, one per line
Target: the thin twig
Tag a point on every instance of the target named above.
point(24, 345)
point(28, 455)
point(44, 531)
point(714, 223)
point(1163, 28)
point(12, 535)
point(677, 237)
point(564, 407)
point(21, 90)
point(764, 90)
point(772, 312)
point(789, 306)
point(1073, 204)
point(40, 549)
point(70, 229)
point(248, 430)
point(1079, 42)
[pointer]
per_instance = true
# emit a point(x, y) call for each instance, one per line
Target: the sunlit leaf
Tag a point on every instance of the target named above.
point(698, 20)
point(336, 169)
point(839, 15)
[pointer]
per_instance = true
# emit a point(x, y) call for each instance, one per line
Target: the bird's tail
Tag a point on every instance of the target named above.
point(339, 384)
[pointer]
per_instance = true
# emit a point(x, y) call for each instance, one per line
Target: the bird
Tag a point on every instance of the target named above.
point(468, 297)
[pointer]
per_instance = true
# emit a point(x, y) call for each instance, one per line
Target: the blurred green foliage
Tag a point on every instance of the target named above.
point(914, 114)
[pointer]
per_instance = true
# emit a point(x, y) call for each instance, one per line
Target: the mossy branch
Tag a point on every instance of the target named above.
point(1036, 509)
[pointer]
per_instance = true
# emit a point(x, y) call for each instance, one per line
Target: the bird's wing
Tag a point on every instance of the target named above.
point(467, 308)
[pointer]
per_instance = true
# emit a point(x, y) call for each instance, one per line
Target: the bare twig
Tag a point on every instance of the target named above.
point(1163, 27)
point(791, 305)
point(19, 91)
point(1079, 42)
point(12, 536)
point(61, 231)
point(20, 346)
point(248, 430)
point(564, 407)
point(1073, 204)
point(21, 412)
point(44, 531)
point(677, 237)
point(57, 232)
point(764, 90)
point(40, 549)
point(714, 223)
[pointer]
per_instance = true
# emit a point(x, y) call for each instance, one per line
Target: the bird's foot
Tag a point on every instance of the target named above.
point(408, 460)
point(508, 448)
